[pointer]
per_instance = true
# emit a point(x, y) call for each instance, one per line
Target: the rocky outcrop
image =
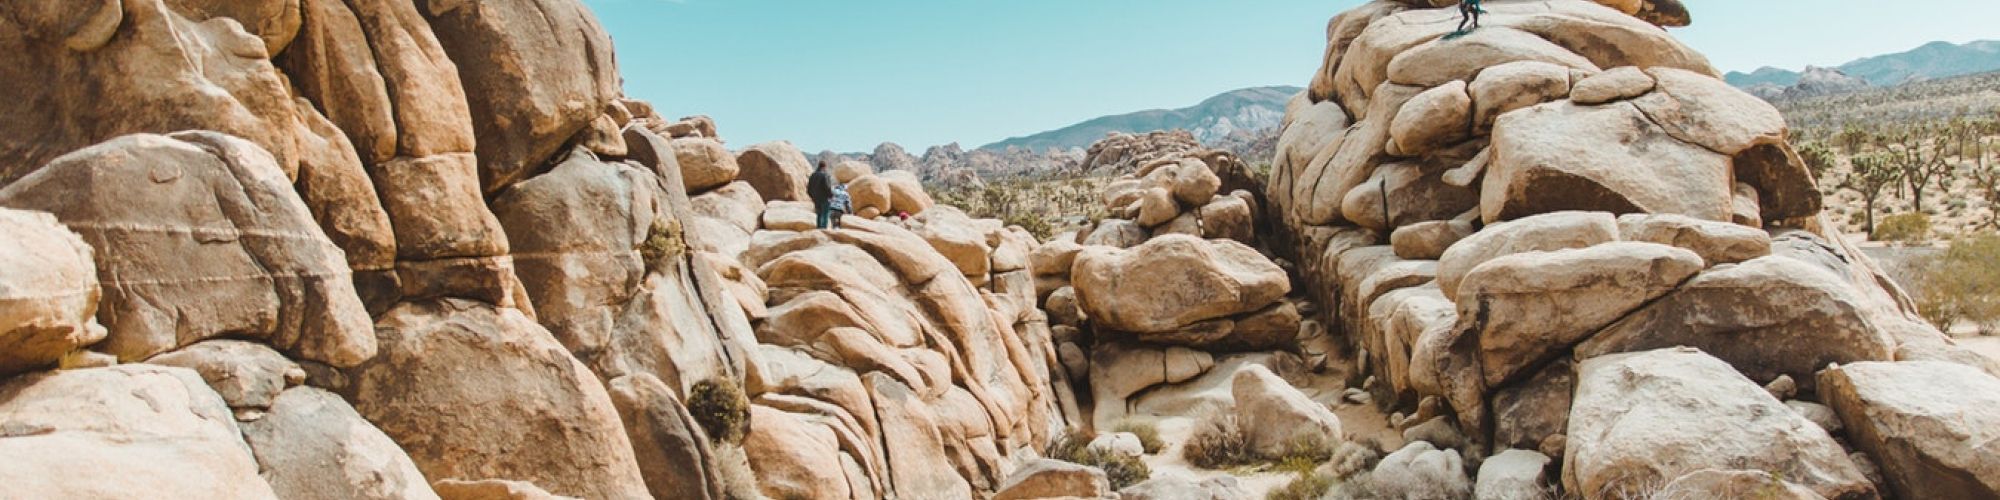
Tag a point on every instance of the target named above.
point(1173, 282)
point(1643, 419)
point(1930, 424)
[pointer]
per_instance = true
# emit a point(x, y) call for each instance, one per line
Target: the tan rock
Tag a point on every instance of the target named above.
point(51, 283)
point(536, 413)
point(1156, 207)
point(847, 171)
point(1515, 85)
point(492, 489)
point(1044, 478)
point(1645, 418)
point(1615, 84)
point(906, 194)
point(705, 163)
point(782, 215)
point(1930, 425)
point(870, 192)
point(777, 169)
point(313, 445)
point(673, 453)
point(1768, 317)
point(1717, 483)
point(1716, 242)
point(240, 256)
point(951, 233)
point(735, 203)
point(1511, 475)
point(145, 431)
point(1432, 119)
point(1274, 415)
point(1528, 413)
point(1701, 109)
point(1435, 62)
point(917, 463)
point(1421, 470)
point(1535, 234)
point(1414, 193)
point(794, 458)
point(1428, 240)
point(1116, 233)
point(336, 188)
point(247, 375)
point(1118, 371)
point(1173, 281)
point(1561, 156)
point(1529, 307)
point(1228, 217)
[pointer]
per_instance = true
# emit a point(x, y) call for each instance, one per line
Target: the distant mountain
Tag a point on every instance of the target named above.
point(1932, 61)
point(1211, 121)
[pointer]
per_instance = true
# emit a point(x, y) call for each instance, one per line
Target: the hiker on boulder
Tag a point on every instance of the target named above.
point(820, 188)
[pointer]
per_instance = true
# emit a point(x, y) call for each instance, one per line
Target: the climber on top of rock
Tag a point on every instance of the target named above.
point(1468, 11)
point(820, 188)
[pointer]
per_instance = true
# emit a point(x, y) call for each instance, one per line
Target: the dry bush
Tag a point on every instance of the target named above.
point(1218, 443)
point(1307, 486)
point(1913, 227)
point(1122, 470)
point(721, 409)
point(1149, 435)
point(1960, 284)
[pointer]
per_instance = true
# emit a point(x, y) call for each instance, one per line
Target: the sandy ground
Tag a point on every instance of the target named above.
point(1326, 387)
point(1988, 346)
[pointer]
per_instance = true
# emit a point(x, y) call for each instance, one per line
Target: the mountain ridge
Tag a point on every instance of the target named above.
point(1932, 60)
point(1210, 120)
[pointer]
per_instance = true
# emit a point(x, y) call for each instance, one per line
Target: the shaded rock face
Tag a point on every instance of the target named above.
point(164, 432)
point(1174, 281)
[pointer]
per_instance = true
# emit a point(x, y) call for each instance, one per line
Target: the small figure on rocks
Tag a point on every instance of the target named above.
point(1468, 12)
point(841, 203)
point(820, 188)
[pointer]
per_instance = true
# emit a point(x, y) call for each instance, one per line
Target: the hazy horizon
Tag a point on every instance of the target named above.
point(848, 76)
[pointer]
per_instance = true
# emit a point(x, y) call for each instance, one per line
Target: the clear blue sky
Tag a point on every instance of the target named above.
point(849, 74)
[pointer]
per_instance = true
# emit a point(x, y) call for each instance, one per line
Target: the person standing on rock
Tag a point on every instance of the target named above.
point(1468, 13)
point(820, 188)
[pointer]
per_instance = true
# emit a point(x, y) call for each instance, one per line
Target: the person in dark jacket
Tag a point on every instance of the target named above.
point(1468, 13)
point(820, 188)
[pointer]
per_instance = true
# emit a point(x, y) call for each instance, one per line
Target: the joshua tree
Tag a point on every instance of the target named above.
point(1986, 174)
point(1920, 158)
point(1871, 173)
point(1819, 158)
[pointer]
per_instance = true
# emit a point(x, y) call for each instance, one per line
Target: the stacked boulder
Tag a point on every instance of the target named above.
point(1564, 235)
point(1178, 194)
point(1121, 152)
point(375, 249)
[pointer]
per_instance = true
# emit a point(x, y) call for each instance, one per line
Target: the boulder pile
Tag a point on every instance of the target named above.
point(1566, 234)
point(326, 249)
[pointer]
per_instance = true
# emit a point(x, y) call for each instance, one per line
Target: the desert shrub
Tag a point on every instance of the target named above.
point(665, 243)
point(732, 466)
point(1307, 486)
point(1149, 435)
point(1960, 284)
point(1905, 227)
point(1218, 443)
point(1122, 470)
point(1305, 454)
point(721, 409)
point(1353, 458)
point(1035, 224)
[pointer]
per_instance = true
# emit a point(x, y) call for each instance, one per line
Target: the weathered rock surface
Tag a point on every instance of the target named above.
point(1174, 281)
point(531, 413)
point(777, 169)
point(1176, 488)
point(1930, 425)
point(705, 164)
point(1044, 478)
point(1511, 475)
point(1529, 307)
point(197, 236)
point(309, 431)
point(1718, 483)
point(1768, 317)
point(48, 292)
point(1642, 419)
point(1548, 232)
point(1716, 242)
point(139, 431)
point(1554, 157)
point(248, 376)
point(1275, 416)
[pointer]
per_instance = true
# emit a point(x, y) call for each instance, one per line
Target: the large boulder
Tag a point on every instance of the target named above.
point(199, 235)
point(1530, 307)
point(48, 292)
point(1611, 158)
point(1931, 425)
point(532, 412)
point(1547, 232)
point(1276, 417)
point(132, 431)
point(1422, 471)
point(535, 74)
point(673, 452)
point(1174, 281)
point(248, 376)
point(1643, 419)
point(794, 458)
point(1044, 478)
point(313, 445)
point(1716, 242)
point(1770, 316)
point(705, 163)
point(777, 169)
point(1512, 475)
